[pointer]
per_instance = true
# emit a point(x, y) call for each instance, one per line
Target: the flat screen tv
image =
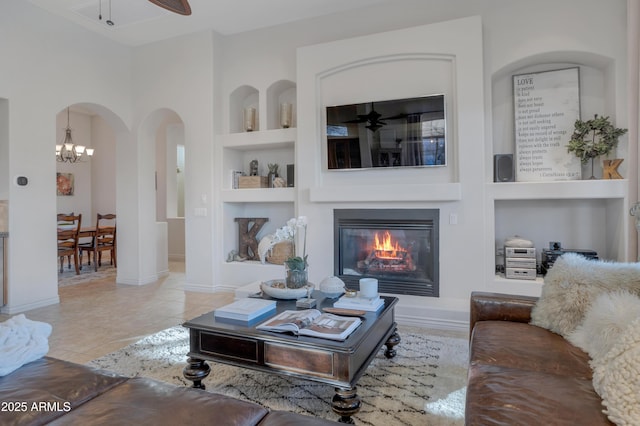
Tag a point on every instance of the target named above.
point(394, 133)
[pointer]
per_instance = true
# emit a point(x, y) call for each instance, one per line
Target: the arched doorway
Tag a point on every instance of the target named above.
point(89, 181)
point(167, 130)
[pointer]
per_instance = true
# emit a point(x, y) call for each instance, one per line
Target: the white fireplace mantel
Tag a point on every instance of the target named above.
point(406, 192)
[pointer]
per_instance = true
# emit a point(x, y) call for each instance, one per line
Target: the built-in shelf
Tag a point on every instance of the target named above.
point(266, 139)
point(259, 195)
point(268, 143)
point(409, 192)
point(572, 189)
point(524, 287)
point(255, 264)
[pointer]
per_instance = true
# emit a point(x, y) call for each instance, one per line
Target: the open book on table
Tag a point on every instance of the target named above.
point(312, 322)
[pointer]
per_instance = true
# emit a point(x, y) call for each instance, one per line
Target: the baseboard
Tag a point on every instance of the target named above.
point(202, 288)
point(437, 323)
point(11, 309)
point(438, 313)
point(137, 281)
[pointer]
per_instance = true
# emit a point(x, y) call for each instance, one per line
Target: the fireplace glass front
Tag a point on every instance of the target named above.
point(399, 247)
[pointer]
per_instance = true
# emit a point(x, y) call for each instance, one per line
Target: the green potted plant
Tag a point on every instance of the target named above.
point(593, 138)
point(296, 273)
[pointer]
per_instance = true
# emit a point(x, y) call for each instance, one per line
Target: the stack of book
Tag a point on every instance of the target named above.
point(372, 304)
point(246, 311)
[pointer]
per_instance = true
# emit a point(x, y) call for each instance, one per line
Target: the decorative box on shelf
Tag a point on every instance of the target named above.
point(252, 182)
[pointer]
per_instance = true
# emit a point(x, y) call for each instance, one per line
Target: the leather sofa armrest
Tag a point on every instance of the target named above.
point(499, 307)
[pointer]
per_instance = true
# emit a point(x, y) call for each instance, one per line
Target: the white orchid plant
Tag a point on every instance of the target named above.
point(287, 233)
point(297, 263)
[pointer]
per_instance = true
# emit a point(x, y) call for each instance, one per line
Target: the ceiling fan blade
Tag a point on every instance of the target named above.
point(178, 6)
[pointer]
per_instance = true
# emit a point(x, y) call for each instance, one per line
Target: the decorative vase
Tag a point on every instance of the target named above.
point(592, 175)
point(285, 115)
point(271, 177)
point(249, 119)
point(296, 278)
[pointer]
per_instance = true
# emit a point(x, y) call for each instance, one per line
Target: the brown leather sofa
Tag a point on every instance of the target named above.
point(520, 374)
point(55, 392)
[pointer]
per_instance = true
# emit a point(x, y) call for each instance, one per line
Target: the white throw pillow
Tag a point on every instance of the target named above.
point(571, 286)
point(616, 378)
point(606, 319)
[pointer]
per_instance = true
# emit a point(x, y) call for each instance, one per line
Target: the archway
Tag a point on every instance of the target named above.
point(90, 180)
point(165, 130)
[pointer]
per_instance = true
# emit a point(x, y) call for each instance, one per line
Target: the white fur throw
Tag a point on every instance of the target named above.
point(21, 341)
point(571, 286)
point(616, 378)
point(606, 319)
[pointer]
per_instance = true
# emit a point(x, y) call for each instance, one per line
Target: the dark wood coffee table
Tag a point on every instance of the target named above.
point(336, 363)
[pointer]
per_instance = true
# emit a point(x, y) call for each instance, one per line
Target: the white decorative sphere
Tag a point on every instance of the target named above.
point(332, 287)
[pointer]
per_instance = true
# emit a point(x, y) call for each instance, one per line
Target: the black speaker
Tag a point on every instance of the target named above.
point(503, 168)
point(290, 175)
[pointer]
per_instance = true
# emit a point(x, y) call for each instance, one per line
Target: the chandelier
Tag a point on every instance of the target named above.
point(69, 152)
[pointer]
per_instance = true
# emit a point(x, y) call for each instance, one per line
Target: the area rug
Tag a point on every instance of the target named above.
point(87, 273)
point(423, 385)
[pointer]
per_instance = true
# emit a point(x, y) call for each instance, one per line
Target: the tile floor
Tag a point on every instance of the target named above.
point(100, 317)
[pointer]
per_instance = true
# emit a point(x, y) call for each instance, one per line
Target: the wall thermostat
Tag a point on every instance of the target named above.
point(22, 180)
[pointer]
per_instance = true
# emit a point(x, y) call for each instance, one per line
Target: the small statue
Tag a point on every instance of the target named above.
point(273, 173)
point(253, 168)
point(273, 168)
point(233, 256)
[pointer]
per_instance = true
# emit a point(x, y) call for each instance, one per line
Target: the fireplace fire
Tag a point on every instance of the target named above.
point(399, 247)
point(387, 255)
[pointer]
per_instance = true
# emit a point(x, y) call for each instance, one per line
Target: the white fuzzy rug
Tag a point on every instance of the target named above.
point(423, 385)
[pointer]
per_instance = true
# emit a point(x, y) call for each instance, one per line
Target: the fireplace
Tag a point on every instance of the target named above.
point(399, 247)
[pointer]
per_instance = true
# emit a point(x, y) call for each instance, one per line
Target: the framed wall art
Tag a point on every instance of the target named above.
point(546, 105)
point(64, 184)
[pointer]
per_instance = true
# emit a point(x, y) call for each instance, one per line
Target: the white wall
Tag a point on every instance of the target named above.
point(47, 65)
point(187, 62)
point(81, 200)
point(103, 168)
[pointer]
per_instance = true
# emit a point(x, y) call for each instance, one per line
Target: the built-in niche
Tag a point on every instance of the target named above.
point(242, 99)
point(596, 95)
point(281, 102)
point(582, 214)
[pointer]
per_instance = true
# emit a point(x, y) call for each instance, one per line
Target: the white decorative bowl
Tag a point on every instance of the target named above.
point(275, 289)
point(332, 287)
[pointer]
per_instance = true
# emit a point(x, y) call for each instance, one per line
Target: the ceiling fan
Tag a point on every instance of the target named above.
point(372, 118)
point(178, 6)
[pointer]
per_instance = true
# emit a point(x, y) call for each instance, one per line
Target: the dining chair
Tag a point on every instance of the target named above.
point(104, 239)
point(68, 238)
point(65, 224)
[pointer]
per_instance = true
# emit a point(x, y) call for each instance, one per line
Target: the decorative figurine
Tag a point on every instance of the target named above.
point(253, 168)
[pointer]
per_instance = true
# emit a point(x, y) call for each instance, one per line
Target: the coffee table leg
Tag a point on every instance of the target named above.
point(346, 403)
point(392, 341)
point(196, 371)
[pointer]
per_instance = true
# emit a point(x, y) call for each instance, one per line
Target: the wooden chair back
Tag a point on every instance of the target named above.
point(104, 239)
point(106, 231)
point(68, 239)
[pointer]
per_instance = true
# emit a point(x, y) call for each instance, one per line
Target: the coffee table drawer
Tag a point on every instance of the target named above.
point(227, 346)
point(310, 361)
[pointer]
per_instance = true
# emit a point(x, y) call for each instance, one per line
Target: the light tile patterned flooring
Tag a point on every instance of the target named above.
point(99, 317)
